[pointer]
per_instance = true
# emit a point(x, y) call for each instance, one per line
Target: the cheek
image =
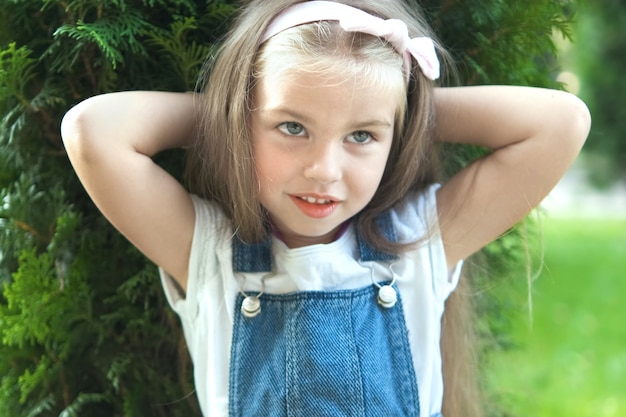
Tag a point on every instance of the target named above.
point(260, 164)
point(371, 173)
point(271, 167)
point(363, 180)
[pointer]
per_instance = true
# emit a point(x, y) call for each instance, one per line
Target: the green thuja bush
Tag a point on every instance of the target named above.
point(84, 326)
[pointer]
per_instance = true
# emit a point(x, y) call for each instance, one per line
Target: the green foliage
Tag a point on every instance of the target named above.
point(109, 34)
point(599, 59)
point(503, 42)
point(84, 328)
point(186, 57)
point(16, 71)
point(15, 62)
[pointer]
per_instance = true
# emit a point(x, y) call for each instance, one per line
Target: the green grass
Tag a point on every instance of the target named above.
point(571, 361)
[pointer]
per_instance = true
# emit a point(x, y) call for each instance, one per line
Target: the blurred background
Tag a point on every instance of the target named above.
point(566, 353)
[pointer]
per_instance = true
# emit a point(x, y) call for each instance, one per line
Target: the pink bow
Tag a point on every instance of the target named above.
point(352, 19)
point(396, 33)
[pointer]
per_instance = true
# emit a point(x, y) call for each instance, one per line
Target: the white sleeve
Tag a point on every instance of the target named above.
point(204, 311)
point(445, 280)
point(204, 242)
point(418, 220)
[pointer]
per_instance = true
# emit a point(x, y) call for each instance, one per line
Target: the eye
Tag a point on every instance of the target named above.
point(360, 137)
point(292, 129)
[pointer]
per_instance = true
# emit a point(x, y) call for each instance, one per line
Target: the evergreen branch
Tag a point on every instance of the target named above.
point(16, 71)
point(83, 399)
point(31, 230)
point(11, 123)
point(186, 57)
point(113, 34)
point(188, 5)
point(29, 381)
point(45, 405)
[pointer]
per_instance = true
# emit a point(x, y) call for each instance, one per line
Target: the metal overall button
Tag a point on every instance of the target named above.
point(387, 296)
point(251, 306)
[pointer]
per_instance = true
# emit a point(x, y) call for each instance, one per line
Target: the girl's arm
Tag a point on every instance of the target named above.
point(110, 140)
point(535, 135)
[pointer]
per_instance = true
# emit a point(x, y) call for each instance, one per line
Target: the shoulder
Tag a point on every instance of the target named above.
point(211, 231)
point(415, 217)
point(210, 222)
point(416, 221)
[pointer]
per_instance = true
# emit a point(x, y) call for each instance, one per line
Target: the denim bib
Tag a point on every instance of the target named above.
point(320, 353)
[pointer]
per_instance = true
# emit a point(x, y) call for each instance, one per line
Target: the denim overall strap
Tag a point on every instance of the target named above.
point(252, 257)
point(322, 354)
point(368, 252)
point(257, 257)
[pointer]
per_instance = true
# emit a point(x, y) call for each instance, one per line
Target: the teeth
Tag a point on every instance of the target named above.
point(315, 200)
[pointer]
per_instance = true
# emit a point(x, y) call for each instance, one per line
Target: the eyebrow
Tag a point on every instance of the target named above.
point(361, 124)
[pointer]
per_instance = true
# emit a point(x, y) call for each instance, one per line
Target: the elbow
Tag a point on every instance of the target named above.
point(567, 126)
point(70, 127)
point(75, 133)
point(577, 123)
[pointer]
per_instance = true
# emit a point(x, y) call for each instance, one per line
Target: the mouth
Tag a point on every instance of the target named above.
point(317, 207)
point(313, 200)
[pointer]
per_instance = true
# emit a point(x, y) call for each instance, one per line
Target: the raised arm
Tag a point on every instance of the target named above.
point(535, 135)
point(110, 140)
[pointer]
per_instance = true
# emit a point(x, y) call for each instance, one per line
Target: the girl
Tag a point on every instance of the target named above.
point(311, 264)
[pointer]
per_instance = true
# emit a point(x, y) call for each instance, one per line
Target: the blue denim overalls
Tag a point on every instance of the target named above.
point(320, 353)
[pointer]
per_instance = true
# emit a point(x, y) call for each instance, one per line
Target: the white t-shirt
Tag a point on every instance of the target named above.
point(207, 312)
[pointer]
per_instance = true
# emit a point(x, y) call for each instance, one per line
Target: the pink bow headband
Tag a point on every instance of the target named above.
point(351, 19)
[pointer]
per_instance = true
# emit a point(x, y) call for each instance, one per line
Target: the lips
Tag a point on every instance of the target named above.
point(316, 207)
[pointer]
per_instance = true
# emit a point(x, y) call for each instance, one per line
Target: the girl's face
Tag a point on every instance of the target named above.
point(320, 147)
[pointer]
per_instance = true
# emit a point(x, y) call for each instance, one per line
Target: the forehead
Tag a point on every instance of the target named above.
point(327, 50)
point(324, 99)
point(331, 71)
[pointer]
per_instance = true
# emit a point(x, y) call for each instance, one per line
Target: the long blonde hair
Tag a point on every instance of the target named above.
point(220, 163)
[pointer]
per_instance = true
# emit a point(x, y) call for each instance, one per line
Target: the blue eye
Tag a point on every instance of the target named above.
point(292, 128)
point(360, 137)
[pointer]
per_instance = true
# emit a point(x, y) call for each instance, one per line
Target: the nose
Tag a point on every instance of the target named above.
point(323, 162)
